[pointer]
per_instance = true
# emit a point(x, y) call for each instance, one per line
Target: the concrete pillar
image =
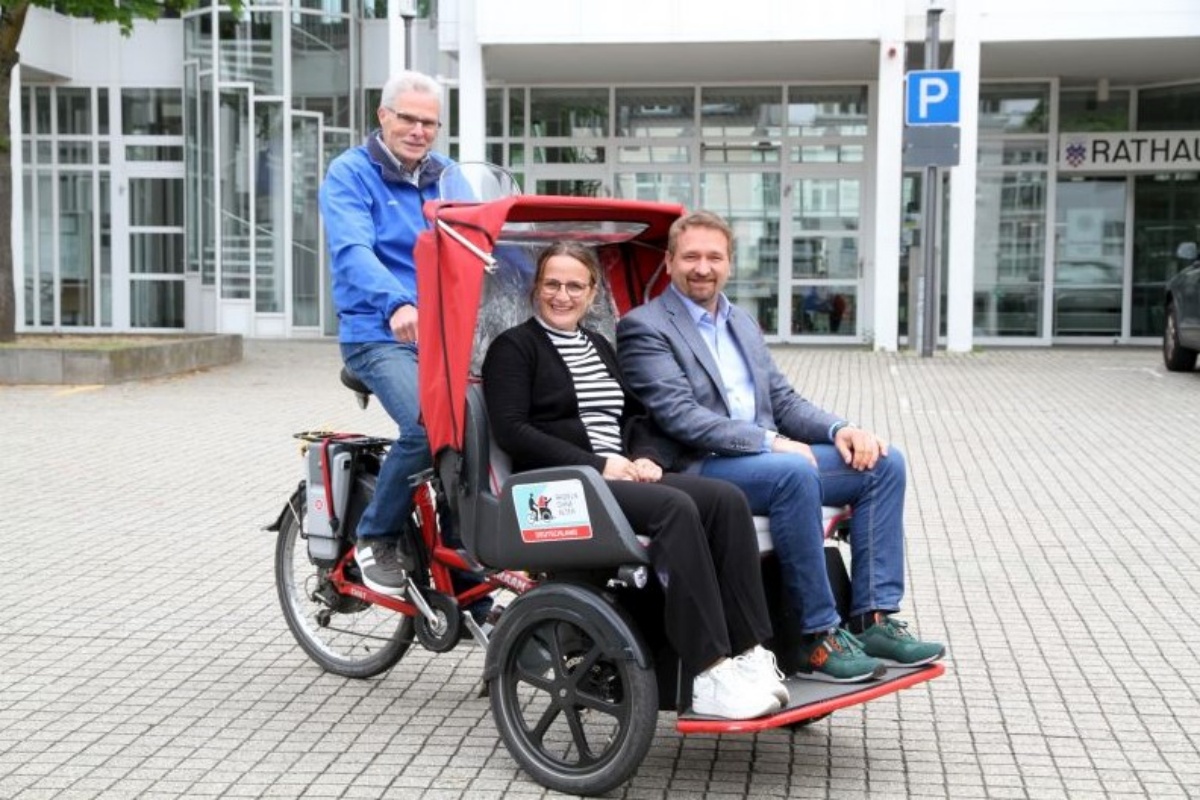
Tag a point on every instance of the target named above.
point(472, 92)
point(960, 283)
point(884, 320)
point(16, 126)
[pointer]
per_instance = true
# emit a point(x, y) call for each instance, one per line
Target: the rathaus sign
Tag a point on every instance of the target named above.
point(1143, 151)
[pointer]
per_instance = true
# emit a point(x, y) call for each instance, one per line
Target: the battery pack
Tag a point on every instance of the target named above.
point(324, 535)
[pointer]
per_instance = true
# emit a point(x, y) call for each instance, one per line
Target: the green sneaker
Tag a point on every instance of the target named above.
point(838, 658)
point(890, 641)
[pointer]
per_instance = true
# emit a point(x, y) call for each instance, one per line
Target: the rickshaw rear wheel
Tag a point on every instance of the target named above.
point(345, 636)
point(571, 701)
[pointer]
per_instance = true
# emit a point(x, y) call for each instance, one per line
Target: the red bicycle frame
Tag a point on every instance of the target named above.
point(443, 560)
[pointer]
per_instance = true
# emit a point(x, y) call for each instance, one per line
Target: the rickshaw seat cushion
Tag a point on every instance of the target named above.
point(762, 528)
point(495, 470)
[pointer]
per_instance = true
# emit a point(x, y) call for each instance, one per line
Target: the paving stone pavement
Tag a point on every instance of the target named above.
point(1054, 544)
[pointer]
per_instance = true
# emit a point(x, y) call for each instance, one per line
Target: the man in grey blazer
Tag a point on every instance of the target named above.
point(702, 368)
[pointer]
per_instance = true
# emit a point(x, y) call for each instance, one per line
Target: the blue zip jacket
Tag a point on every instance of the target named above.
point(372, 216)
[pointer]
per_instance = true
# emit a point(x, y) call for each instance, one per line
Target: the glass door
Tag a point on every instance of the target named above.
point(750, 202)
point(912, 249)
point(1089, 258)
point(155, 231)
point(307, 249)
point(1166, 214)
point(822, 265)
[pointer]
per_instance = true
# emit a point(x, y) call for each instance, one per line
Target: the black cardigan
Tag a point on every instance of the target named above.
point(534, 412)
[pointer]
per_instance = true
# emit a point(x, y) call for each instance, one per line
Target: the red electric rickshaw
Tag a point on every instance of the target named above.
point(577, 666)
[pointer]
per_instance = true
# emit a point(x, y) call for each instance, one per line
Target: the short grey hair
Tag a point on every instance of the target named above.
point(408, 81)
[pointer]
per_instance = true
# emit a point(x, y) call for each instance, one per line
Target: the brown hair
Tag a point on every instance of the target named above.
point(580, 252)
point(698, 219)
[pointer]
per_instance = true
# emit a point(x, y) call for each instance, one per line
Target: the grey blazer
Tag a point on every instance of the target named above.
point(671, 370)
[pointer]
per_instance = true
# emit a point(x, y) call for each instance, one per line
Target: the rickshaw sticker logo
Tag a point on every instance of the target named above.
point(552, 512)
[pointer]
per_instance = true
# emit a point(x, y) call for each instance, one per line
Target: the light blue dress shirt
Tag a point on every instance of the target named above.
point(735, 374)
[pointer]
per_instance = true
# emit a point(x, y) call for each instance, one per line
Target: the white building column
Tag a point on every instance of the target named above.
point(889, 112)
point(16, 125)
point(960, 282)
point(472, 92)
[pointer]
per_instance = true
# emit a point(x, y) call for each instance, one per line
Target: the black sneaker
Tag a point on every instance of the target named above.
point(381, 569)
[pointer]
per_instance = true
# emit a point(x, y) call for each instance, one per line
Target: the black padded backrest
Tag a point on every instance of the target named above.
point(476, 441)
point(475, 492)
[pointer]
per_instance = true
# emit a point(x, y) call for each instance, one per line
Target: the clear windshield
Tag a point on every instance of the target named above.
point(506, 297)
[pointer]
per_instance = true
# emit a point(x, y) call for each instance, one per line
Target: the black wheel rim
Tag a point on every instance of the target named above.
point(565, 697)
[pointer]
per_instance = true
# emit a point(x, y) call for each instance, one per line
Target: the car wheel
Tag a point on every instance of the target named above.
point(1176, 357)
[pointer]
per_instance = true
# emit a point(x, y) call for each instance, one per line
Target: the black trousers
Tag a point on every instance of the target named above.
point(705, 555)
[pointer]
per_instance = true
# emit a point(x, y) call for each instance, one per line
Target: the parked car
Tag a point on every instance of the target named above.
point(1181, 337)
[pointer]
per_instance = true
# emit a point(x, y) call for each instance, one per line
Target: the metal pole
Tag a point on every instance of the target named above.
point(408, 41)
point(929, 295)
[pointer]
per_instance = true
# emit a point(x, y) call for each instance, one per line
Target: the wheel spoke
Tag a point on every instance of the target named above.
point(588, 693)
point(584, 668)
point(579, 736)
point(538, 732)
point(534, 679)
point(557, 653)
point(597, 703)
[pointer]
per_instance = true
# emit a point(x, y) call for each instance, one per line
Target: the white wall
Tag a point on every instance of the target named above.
point(48, 42)
point(639, 21)
point(151, 56)
point(98, 55)
point(1067, 20)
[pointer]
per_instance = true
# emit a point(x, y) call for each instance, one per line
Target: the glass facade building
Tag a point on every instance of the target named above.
point(187, 202)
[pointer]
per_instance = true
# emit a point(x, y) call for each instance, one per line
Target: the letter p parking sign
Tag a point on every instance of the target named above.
point(932, 97)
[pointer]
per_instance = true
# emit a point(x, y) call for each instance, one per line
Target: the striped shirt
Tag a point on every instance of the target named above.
point(601, 400)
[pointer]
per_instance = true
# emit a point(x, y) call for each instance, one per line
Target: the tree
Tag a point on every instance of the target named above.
point(12, 21)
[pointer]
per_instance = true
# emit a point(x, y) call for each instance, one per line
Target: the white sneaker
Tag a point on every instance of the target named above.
point(759, 666)
point(724, 691)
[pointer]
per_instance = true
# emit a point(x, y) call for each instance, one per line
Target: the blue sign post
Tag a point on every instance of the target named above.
point(932, 97)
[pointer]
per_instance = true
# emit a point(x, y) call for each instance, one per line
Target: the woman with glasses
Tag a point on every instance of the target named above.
point(555, 397)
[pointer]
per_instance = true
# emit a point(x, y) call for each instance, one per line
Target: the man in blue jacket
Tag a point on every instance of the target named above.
point(371, 202)
point(702, 368)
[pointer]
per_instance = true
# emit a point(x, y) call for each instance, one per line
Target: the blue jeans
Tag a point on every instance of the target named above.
point(788, 489)
point(389, 369)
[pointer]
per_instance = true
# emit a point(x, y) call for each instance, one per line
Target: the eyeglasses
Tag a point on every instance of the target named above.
point(408, 121)
point(574, 288)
